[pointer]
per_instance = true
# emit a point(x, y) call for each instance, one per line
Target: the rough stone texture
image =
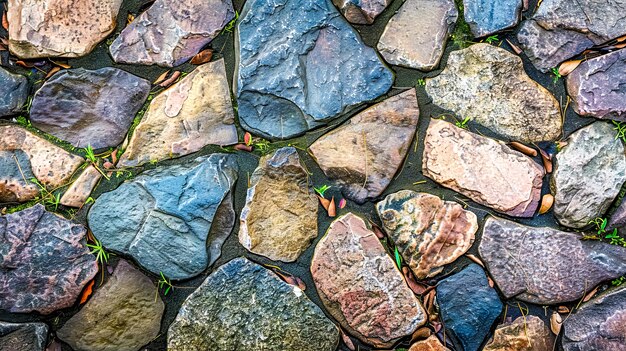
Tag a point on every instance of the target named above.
point(89, 107)
point(363, 155)
point(79, 191)
point(545, 266)
point(428, 232)
point(361, 287)
point(528, 333)
point(599, 324)
point(13, 92)
point(122, 315)
point(44, 262)
point(598, 86)
point(483, 169)
point(618, 218)
point(24, 156)
point(169, 210)
point(489, 85)
point(243, 306)
point(59, 28)
point(195, 112)
point(416, 35)
point(294, 75)
point(171, 32)
point(279, 219)
point(361, 11)
point(430, 344)
point(487, 17)
point(468, 306)
point(588, 175)
point(23, 336)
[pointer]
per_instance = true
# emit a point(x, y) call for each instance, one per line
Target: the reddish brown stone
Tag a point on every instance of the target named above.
point(430, 344)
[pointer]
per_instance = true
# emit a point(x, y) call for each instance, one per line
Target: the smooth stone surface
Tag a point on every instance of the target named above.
point(24, 156)
point(44, 261)
point(361, 11)
point(510, 104)
point(171, 32)
point(618, 218)
point(598, 86)
point(89, 107)
point(23, 336)
point(588, 174)
point(416, 36)
point(295, 75)
point(279, 220)
point(122, 315)
point(468, 306)
point(428, 232)
point(486, 17)
point(13, 92)
point(362, 156)
point(79, 191)
point(243, 306)
point(190, 114)
point(528, 333)
point(430, 344)
point(361, 287)
point(545, 266)
point(168, 210)
point(457, 159)
point(599, 324)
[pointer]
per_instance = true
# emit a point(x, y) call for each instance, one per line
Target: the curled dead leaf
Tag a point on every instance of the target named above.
point(547, 161)
point(514, 47)
point(300, 283)
point(5, 21)
point(475, 260)
point(114, 156)
point(568, 66)
point(421, 334)
point(51, 72)
point(61, 64)
point(87, 292)
point(590, 294)
point(347, 341)
point(527, 150)
point(413, 284)
point(25, 64)
point(325, 202)
point(556, 322)
point(563, 309)
point(161, 77)
point(203, 56)
point(342, 203)
point(243, 147)
point(332, 209)
point(490, 281)
point(376, 229)
point(546, 203)
point(166, 83)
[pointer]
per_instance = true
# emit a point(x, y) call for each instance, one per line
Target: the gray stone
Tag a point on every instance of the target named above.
point(487, 17)
point(416, 35)
point(44, 262)
point(23, 336)
point(169, 210)
point(171, 32)
point(295, 75)
point(618, 218)
point(89, 107)
point(122, 315)
point(588, 175)
point(510, 104)
point(13, 92)
point(243, 306)
point(361, 11)
point(545, 266)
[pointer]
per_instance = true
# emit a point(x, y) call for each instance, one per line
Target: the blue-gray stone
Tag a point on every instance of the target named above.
point(486, 17)
point(300, 64)
point(23, 336)
point(164, 217)
point(13, 92)
point(468, 305)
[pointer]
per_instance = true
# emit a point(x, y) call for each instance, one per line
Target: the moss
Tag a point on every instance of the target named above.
point(462, 36)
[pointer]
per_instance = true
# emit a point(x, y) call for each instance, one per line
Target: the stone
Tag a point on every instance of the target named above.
point(598, 86)
point(360, 286)
point(510, 104)
point(428, 232)
point(599, 324)
point(89, 107)
point(361, 11)
point(23, 336)
point(244, 306)
point(122, 315)
point(78, 193)
point(416, 36)
point(168, 210)
point(25, 156)
point(13, 92)
point(486, 17)
point(279, 220)
point(528, 333)
point(618, 218)
point(190, 114)
point(362, 156)
point(56, 28)
point(483, 169)
point(295, 75)
point(45, 262)
point(430, 344)
point(546, 266)
point(468, 306)
point(588, 175)
point(171, 32)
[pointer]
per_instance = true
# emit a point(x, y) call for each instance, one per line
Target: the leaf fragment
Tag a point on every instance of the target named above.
point(87, 292)
point(161, 77)
point(546, 203)
point(568, 66)
point(332, 210)
point(203, 56)
point(556, 322)
point(51, 72)
point(527, 150)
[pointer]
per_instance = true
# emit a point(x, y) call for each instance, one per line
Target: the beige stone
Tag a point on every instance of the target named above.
point(79, 191)
point(528, 333)
point(430, 344)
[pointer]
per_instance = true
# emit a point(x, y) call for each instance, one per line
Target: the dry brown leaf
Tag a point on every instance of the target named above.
point(51, 72)
point(332, 209)
point(413, 284)
point(346, 340)
point(490, 281)
point(421, 334)
point(527, 150)
point(5, 21)
point(563, 309)
point(161, 77)
point(547, 161)
point(620, 46)
point(300, 283)
point(61, 64)
point(621, 39)
point(114, 156)
point(87, 292)
point(24, 64)
point(107, 165)
point(376, 229)
point(556, 321)
point(590, 295)
point(130, 18)
point(514, 47)
point(203, 56)
point(166, 83)
point(436, 326)
point(475, 260)
point(243, 147)
point(568, 66)
point(325, 202)
point(546, 203)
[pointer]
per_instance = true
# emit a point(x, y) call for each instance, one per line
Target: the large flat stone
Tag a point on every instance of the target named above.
point(168, 210)
point(489, 85)
point(171, 32)
point(526, 333)
point(243, 306)
point(364, 154)
point(295, 75)
point(192, 113)
point(486, 17)
point(428, 232)
point(13, 92)
point(361, 11)
point(23, 336)
point(545, 266)
point(483, 169)
point(44, 262)
point(361, 287)
point(588, 175)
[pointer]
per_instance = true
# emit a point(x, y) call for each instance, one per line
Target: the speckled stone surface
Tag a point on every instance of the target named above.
point(361, 11)
point(487, 17)
point(13, 92)
point(23, 336)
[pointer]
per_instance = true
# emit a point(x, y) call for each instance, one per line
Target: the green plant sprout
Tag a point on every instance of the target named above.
point(89, 154)
point(96, 248)
point(231, 25)
point(556, 74)
point(620, 127)
point(463, 123)
point(421, 82)
point(492, 39)
point(164, 282)
point(619, 281)
point(396, 253)
point(613, 236)
point(263, 145)
point(48, 198)
point(321, 190)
